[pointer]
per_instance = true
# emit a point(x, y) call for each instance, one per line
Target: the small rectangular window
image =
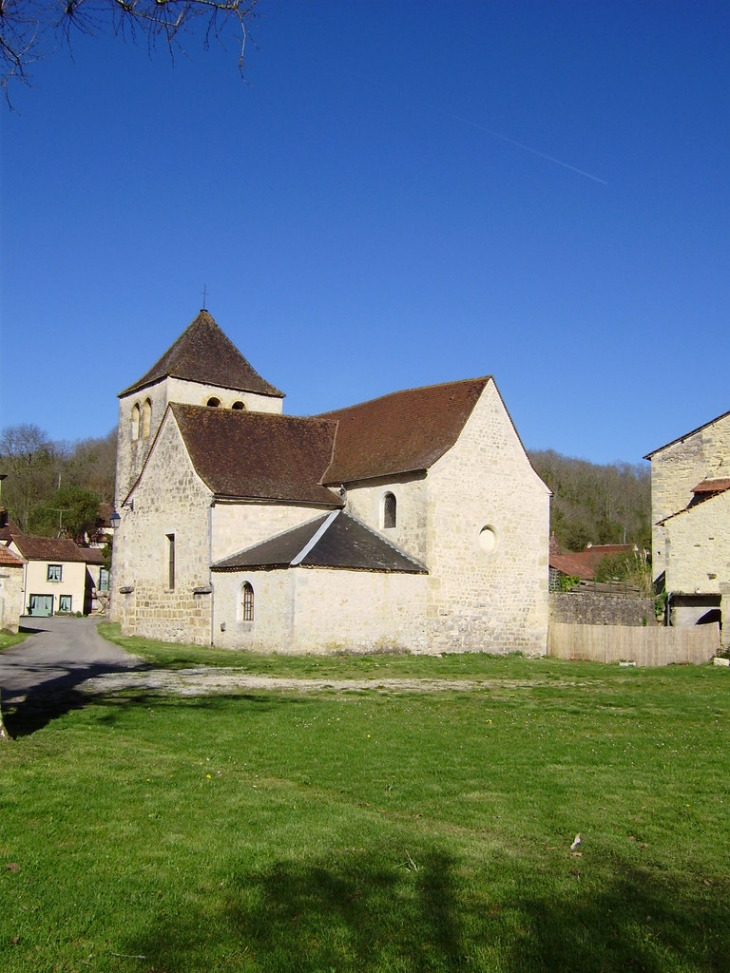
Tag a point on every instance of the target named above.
point(55, 572)
point(103, 579)
point(171, 561)
point(64, 603)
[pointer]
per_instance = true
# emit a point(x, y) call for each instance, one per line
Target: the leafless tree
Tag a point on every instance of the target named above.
point(31, 463)
point(33, 29)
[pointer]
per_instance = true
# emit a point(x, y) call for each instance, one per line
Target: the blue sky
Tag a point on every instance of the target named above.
point(401, 193)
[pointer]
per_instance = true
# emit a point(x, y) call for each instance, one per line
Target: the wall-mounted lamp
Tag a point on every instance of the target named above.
point(115, 520)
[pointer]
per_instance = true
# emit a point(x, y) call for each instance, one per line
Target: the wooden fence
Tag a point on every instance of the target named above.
point(650, 646)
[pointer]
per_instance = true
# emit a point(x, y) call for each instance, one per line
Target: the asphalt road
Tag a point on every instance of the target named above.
point(60, 654)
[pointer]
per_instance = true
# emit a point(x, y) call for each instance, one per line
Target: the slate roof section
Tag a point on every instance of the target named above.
point(49, 548)
point(204, 354)
point(400, 433)
point(336, 540)
point(258, 455)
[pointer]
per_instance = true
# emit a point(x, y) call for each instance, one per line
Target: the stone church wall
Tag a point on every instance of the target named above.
point(170, 501)
point(365, 500)
point(237, 526)
point(319, 610)
point(488, 536)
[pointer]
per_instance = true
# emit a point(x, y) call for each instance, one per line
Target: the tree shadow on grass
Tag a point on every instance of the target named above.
point(56, 698)
point(641, 922)
point(27, 711)
point(363, 912)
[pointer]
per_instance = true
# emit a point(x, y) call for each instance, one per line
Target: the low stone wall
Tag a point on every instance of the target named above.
point(600, 608)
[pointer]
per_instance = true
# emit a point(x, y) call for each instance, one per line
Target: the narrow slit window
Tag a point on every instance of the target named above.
point(247, 602)
point(135, 421)
point(146, 418)
point(389, 510)
point(170, 561)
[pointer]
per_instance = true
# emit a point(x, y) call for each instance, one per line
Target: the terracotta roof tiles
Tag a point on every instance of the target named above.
point(49, 548)
point(257, 455)
point(8, 559)
point(400, 433)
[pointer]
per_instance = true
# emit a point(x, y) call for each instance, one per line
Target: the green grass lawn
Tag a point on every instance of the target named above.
point(375, 831)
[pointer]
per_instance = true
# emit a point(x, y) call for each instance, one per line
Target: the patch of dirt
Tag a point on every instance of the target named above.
point(205, 681)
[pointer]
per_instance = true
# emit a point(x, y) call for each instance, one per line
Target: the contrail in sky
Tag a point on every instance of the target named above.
point(506, 138)
point(483, 128)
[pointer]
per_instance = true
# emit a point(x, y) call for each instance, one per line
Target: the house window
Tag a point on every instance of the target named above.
point(247, 602)
point(389, 509)
point(238, 405)
point(170, 561)
point(103, 579)
point(214, 403)
point(135, 421)
point(64, 603)
point(146, 418)
point(55, 572)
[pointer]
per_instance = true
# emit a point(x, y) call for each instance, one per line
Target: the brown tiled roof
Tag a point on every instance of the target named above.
point(257, 455)
point(402, 432)
point(8, 559)
point(93, 555)
point(336, 540)
point(718, 485)
point(204, 354)
point(48, 548)
point(583, 564)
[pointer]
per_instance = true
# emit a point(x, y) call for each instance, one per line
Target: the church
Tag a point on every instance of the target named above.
point(411, 522)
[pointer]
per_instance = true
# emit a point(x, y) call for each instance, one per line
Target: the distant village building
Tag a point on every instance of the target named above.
point(43, 576)
point(414, 521)
point(690, 488)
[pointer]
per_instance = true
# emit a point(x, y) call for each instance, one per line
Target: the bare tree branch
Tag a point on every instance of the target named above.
point(34, 29)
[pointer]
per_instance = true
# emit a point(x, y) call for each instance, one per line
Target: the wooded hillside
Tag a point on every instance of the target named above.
point(596, 504)
point(53, 487)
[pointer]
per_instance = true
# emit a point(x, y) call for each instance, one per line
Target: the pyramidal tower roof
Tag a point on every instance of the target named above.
point(204, 354)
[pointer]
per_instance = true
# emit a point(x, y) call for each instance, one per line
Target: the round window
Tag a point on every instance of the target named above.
point(488, 539)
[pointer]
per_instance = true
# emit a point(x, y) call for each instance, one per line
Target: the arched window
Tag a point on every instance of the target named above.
point(213, 402)
point(238, 405)
point(247, 602)
point(135, 421)
point(389, 508)
point(146, 418)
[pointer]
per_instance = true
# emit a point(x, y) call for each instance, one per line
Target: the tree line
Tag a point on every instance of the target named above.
point(594, 503)
point(54, 488)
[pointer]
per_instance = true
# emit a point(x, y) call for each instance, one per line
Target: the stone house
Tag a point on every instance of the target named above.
point(412, 521)
point(55, 575)
point(690, 488)
point(11, 589)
